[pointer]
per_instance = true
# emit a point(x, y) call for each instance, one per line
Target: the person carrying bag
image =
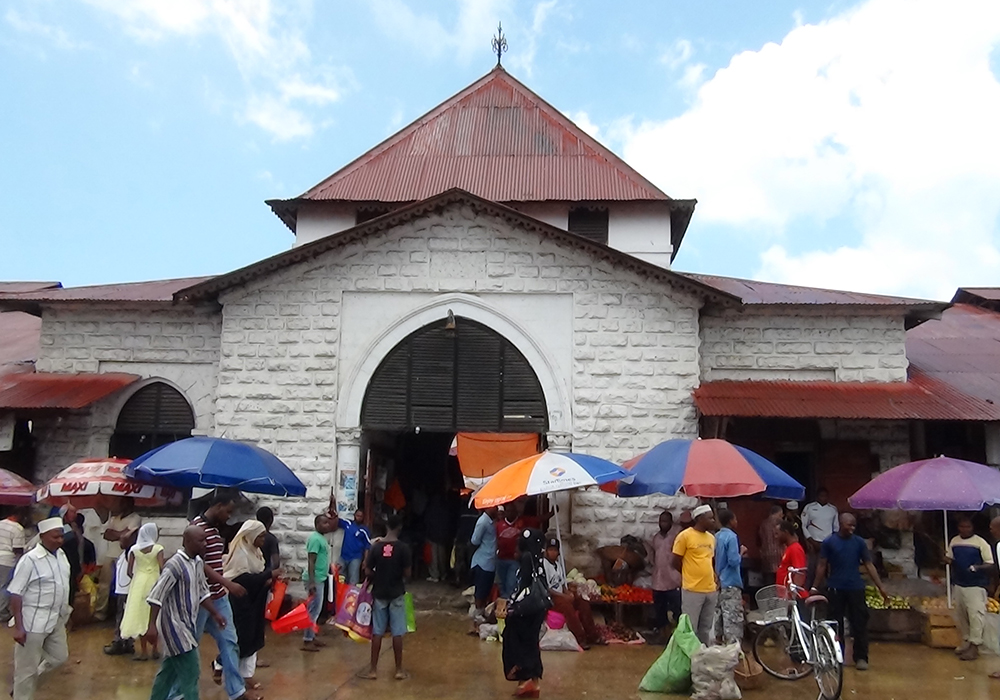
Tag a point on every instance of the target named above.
point(522, 658)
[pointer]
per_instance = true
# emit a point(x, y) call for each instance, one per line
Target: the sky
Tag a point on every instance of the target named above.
point(850, 145)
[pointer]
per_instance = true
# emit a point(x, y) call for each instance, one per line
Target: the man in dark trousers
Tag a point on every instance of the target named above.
point(388, 566)
point(840, 557)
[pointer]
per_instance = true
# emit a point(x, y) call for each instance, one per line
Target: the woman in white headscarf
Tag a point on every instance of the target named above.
point(145, 560)
point(245, 565)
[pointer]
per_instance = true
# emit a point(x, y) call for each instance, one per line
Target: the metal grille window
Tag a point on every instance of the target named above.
point(466, 378)
point(589, 223)
point(155, 415)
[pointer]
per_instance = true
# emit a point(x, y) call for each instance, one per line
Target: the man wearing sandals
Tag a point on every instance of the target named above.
point(387, 567)
point(971, 563)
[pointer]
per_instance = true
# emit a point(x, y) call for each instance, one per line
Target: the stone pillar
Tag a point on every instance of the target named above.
point(348, 470)
point(562, 443)
point(992, 444)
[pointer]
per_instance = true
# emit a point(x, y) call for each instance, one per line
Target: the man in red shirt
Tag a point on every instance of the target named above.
point(794, 556)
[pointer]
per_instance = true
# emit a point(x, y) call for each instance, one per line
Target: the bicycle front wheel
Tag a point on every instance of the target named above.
point(774, 650)
point(829, 669)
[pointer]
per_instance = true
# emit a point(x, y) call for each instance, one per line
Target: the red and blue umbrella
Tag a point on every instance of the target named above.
point(547, 472)
point(705, 469)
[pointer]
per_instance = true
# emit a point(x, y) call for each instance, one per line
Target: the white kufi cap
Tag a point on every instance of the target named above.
point(50, 524)
point(701, 510)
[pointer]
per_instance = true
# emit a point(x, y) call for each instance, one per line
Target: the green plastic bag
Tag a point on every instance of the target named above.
point(411, 616)
point(671, 673)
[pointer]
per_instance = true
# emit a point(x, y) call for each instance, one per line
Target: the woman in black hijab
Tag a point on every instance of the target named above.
point(522, 659)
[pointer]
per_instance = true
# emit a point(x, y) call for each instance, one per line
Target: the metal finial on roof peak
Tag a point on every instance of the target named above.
point(499, 43)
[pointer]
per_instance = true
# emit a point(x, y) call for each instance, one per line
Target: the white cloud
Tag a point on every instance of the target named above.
point(678, 59)
point(884, 116)
point(582, 120)
point(266, 46)
point(51, 34)
point(524, 58)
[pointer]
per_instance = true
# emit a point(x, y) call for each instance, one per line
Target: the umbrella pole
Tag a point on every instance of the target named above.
point(947, 567)
point(555, 506)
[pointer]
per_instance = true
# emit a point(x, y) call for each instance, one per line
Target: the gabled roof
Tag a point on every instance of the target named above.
point(498, 140)
point(752, 292)
point(213, 286)
point(156, 291)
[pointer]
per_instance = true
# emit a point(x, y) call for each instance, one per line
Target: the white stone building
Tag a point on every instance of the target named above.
point(491, 268)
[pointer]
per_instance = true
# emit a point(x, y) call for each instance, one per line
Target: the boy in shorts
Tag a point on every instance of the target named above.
point(387, 566)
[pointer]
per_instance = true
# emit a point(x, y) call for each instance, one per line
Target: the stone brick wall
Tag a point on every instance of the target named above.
point(635, 359)
point(778, 343)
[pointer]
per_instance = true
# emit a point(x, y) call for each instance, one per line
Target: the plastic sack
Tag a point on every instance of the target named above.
point(671, 673)
point(712, 673)
point(555, 620)
point(345, 613)
point(991, 634)
point(488, 633)
point(411, 614)
point(361, 622)
point(559, 640)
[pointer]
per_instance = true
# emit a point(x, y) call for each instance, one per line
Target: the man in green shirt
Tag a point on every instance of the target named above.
point(315, 576)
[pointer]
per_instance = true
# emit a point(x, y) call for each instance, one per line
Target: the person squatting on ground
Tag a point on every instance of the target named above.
point(176, 602)
point(245, 564)
point(840, 557)
point(694, 551)
point(971, 564)
point(218, 513)
point(522, 658)
point(565, 599)
point(145, 561)
point(484, 564)
point(388, 565)
point(666, 578)
point(315, 575)
point(39, 603)
point(729, 553)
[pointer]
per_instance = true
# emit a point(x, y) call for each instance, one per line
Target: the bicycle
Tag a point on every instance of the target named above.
point(789, 648)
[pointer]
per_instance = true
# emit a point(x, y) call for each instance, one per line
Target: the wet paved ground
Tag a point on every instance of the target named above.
point(445, 663)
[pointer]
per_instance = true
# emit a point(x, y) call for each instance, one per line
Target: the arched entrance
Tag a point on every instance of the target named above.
point(452, 376)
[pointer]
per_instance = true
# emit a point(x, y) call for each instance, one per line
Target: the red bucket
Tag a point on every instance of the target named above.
point(295, 621)
point(277, 598)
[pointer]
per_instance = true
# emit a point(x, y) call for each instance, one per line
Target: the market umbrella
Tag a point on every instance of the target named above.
point(89, 483)
point(941, 483)
point(547, 472)
point(15, 490)
point(705, 469)
point(210, 462)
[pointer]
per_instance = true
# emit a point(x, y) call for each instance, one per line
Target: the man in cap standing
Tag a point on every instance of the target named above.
point(39, 602)
point(694, 554)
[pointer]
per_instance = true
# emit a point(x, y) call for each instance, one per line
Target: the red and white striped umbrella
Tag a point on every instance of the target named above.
point(15, 490)
point(89, 483)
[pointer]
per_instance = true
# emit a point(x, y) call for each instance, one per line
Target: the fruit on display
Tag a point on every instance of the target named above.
point(626, 594)
point(992, 605)
point(616, 633)
point(875, 601)
point(936, 604)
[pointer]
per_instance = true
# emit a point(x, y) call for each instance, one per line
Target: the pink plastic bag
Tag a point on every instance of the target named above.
point(554, 620)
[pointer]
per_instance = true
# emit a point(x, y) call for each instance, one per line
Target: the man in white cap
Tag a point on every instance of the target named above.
point(39, 601)
point(694, 557)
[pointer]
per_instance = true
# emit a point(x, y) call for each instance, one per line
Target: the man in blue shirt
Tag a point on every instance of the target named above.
point(729, 555)
point(484, 563)
point(357, 542)
point(840, 557)
point(971, 564)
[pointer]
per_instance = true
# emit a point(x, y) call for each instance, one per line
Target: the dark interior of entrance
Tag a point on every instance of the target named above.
point(446, 378)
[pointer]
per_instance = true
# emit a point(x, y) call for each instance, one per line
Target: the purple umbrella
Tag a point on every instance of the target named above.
point(942, 483)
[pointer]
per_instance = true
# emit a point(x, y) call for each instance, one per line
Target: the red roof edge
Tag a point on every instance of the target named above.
point(48, 390)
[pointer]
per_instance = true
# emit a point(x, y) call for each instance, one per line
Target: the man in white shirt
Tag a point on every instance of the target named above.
point(11, 549)
point(123, 518)
point(39, 601)
point(820, 519)
point(565, 599)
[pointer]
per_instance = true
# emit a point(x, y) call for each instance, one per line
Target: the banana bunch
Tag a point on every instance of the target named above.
point(992, 605)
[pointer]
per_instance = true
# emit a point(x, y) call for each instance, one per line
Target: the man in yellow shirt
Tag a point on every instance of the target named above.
point(694, 557)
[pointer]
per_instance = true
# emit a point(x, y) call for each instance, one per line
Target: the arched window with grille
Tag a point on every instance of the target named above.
point(155, 415)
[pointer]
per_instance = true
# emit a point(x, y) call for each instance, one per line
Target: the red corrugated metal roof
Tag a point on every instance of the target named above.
point(754, 292)
point(27, 286)
point(969, 294)
point(920, 398)
point(19, 339)
point(496, 139)
point(157, 290)
point(961, 350)
point(50, 390)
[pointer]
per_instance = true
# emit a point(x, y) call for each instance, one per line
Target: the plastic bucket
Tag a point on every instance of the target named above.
point(295, 621)
point(555, 620)
point(277, 598)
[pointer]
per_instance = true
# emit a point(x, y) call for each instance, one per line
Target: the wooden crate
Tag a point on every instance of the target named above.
point(896, 625)
point(942, 637)
point(940, 620)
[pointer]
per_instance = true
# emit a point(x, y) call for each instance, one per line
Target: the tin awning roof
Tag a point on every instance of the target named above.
point(922, 397)
point(39, 390)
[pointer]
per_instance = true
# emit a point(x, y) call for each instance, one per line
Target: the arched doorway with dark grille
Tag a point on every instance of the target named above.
point(154, 415)
point(452, 376)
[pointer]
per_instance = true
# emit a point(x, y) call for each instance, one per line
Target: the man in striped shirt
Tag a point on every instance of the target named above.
point(175, 603)
point(39, 602)
point(219, 510)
